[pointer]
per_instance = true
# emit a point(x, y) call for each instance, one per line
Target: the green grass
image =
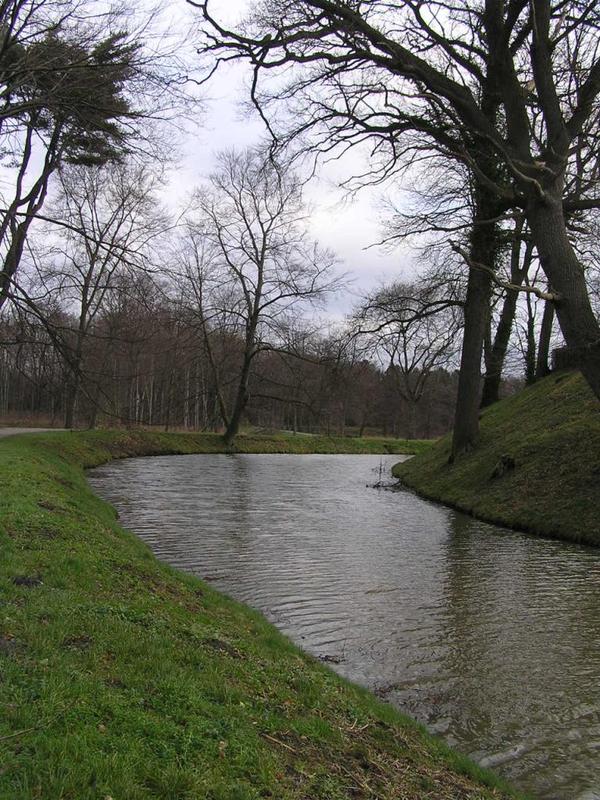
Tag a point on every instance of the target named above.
point(123, 678)
point(551, 431)
point(94, 447)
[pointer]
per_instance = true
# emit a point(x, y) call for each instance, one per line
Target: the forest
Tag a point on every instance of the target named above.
point(117, 308)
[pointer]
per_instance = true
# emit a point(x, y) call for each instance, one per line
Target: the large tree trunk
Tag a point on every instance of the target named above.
point(566, 276)
point(483, 250)
point(477, 309)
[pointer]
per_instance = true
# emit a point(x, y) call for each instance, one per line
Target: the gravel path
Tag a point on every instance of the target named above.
point(13, 431)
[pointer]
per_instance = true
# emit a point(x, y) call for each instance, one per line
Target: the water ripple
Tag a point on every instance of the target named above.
point(489, 637)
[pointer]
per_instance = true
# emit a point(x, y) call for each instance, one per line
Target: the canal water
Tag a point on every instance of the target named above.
point(489, 637)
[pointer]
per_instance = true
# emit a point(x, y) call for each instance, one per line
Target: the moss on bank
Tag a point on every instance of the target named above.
point(123, 678)
point(536, 467)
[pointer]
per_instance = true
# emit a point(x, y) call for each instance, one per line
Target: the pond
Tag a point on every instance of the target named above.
point(489, 637)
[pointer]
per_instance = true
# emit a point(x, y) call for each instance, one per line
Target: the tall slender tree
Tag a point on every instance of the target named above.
point(263, 264)
point(114, 221)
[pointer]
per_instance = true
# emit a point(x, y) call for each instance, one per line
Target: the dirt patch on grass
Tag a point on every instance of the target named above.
point(28, 581)
point(10, 646)
point(48, 506)
point(82, 642)
point(191, 600)
point(219, 646)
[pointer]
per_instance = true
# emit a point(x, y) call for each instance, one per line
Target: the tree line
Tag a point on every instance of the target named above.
point(146, 362)
point(502, 93)
point(481, 116)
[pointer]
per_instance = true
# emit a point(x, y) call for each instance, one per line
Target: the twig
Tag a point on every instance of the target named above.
point(277, 741)
point(356, 727)
point(358, 779)
point(36, 727)
point(20, 733)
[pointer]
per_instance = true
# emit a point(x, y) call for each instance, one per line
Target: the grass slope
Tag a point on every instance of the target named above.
point(551, 431)
point(123, 678)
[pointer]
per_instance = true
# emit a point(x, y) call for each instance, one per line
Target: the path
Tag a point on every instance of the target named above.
point(13, 431)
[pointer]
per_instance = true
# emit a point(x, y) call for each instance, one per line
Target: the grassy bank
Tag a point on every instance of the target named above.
point(122, 678)
point(95, 447)
point(536, 467)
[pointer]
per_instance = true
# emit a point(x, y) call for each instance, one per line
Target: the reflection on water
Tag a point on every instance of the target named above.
point(489, 637)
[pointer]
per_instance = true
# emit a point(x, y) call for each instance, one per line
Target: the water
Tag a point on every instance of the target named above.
point(489, 637)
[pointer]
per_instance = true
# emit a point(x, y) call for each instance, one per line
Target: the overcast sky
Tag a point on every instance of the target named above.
point(347, 227)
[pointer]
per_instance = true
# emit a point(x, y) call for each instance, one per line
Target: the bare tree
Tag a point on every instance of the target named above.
point(112, 221)
point(262, 264)
point(412, 331)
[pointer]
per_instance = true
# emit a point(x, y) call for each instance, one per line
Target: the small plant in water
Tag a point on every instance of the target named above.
point(380, 470)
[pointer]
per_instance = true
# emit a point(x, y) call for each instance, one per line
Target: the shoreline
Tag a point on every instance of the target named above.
point(130, 679)
point(535, 469)
point(518, 527)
